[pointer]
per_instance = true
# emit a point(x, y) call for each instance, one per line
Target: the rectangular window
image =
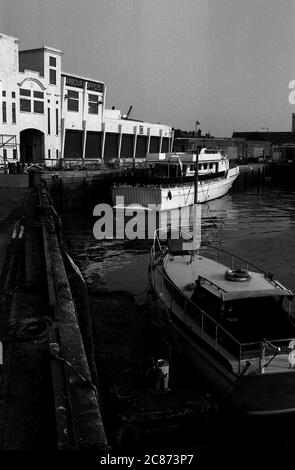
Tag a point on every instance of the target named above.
point(24, 92)
point(52, 61)
point(13, 110)
point(4, 115)
point(56, 154)
point(5, 154)
point(49, 153)
point(93, 104)
point(56, 121)
point(48, 120)
point(38, 94)
point(14, 152)
point(25, 105)
point(3, 93)
point(73, 100)
point(13, 94)
point(38, 107)
point(52, 76)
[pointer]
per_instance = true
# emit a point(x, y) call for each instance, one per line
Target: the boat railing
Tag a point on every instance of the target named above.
point(236, 262)
point(218, 254)
point(209, 329)
point(266, 347)
point(228, 259)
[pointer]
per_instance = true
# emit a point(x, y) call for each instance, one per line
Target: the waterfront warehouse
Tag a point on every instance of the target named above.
point(49, 116)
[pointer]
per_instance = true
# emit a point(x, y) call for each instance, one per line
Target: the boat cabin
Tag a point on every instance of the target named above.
point(169, 165)
point(250, 308)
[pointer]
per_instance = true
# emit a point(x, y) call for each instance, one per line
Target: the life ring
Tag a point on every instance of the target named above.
point(237, 275)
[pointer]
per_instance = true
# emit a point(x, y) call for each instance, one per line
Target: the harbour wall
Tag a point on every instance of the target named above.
point(48, 385)
point(75, 193)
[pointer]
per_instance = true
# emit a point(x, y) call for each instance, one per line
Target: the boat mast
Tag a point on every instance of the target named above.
point(196, 179)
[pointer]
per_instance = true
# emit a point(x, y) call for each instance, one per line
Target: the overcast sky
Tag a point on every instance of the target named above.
point(226, 63)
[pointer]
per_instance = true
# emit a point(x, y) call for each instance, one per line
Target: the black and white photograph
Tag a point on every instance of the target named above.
point(147, 233)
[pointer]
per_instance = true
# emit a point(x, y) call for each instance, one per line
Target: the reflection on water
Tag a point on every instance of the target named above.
point(256, 224)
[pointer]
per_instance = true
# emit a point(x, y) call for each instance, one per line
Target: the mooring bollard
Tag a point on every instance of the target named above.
point(35, 172)
point(163, 375)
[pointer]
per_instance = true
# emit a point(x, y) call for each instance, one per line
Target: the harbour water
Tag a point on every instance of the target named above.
point(256, 223)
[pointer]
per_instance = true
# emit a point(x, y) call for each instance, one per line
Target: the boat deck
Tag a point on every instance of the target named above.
point(183, 273)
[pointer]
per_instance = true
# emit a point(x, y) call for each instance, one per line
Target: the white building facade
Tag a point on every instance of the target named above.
point(49, 116)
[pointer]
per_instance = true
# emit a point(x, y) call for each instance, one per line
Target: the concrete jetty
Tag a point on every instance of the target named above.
point(48, 398)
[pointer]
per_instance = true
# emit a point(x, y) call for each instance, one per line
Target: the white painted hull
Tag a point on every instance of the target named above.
point(266, 394)
point(167, 198)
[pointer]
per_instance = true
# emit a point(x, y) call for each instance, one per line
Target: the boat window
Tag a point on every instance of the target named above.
point(207, 301)
point(287, 305)
point(192, 168)
point(257, 318)
point(210, 166)
point(205, 166)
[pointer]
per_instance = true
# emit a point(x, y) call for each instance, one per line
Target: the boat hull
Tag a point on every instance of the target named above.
point(167, 198)
point(261, 394)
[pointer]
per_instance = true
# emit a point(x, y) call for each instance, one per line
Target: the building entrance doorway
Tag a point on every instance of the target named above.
point(31, 146)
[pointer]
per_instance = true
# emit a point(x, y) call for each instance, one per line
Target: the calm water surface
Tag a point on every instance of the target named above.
point(257, 224)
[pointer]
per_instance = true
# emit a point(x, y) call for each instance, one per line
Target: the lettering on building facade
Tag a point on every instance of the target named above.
point(79, 83)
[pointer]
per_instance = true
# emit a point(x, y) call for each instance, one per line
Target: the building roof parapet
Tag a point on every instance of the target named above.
point(44, 48)
point(6, 36)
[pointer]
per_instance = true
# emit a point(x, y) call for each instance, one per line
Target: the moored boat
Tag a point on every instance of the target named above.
point(167, 180)
point(235, 321)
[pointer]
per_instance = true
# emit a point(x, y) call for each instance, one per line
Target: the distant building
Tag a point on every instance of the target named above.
point(269, 145)
point(232, 148)
point(243, 146)
point(47, 115)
